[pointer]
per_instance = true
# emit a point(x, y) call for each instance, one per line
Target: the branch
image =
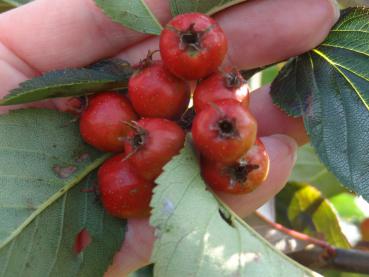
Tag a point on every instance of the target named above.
point(320, 254)
point(348, 260)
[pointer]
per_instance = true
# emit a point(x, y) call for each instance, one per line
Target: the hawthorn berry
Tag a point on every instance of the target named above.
point(224, 131)
point(192, 46)
point(152, 143)
point(123, 192)
point(221, 85)
point(243, 176)
point(155, 92)
point(101, 123)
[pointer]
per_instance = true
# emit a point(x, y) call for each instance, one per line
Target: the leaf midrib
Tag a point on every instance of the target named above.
point(54, 198)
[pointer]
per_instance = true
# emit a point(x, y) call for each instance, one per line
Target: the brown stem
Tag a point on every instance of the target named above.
point(348, 260)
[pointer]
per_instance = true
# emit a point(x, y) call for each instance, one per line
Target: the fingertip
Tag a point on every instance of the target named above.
point(136, 249)
point(280, 145)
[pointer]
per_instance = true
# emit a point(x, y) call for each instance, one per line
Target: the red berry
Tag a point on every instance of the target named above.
point(192, 46)
point(151, 144)
point(224, 131)
point(241, 177)
point(123, 192)
point(101, 123)
point(155, 92)
point(221, 85)
point(364, 228)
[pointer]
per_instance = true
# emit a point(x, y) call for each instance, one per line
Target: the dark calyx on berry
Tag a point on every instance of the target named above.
point(226, 128)
point(233, 80)
point(191, 39)
point(139, 138)
point(240, 172)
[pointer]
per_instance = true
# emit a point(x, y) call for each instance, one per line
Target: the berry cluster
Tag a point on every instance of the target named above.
point(142, 127)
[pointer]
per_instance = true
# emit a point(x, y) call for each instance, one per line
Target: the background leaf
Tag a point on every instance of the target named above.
point(41, 158)
point(302, 208)
point(349, 207)
point(199, 236)
point(208, 7)
point(104, 75)
point(329, 87)
point(353, 3)
point(310, 169)
point(132, 14)
point(146, 271)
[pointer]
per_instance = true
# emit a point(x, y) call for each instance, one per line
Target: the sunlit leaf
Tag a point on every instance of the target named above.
point(199, 236)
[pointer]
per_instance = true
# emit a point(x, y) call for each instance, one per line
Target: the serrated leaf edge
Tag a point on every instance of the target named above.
point(233, 215)
point(146, 8)
point(258, 236)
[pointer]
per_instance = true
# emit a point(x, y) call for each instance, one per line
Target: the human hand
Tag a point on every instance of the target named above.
point(76, 33)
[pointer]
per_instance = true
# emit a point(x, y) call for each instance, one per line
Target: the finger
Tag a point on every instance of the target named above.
point(265, 31)
point(270, 30)
point(272, 120)
point(69, 33)
point(81, 34)
point(259, 31)
point(282, 153)
point(137, 247)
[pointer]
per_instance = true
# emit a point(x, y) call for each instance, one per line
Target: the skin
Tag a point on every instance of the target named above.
point(278, 29)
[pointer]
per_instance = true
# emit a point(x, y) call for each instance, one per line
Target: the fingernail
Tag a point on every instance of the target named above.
point(289, 143)
point(336, 9)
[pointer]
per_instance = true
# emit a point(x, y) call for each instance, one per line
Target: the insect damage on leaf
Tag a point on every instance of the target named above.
point(83, 240)
point(64, 172)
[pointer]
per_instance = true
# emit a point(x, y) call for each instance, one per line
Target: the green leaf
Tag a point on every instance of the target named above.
point(208, 7)
point(146, 271)
point(199, 236)
point(269, 74)
point(104, 75)
point(304, 209)
point(16, 3)
point(348, 207)
point(42, 208)
point(135, 15)
point(353, 3)
point(310, 169)
point(6, 5)
point(328, 86)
